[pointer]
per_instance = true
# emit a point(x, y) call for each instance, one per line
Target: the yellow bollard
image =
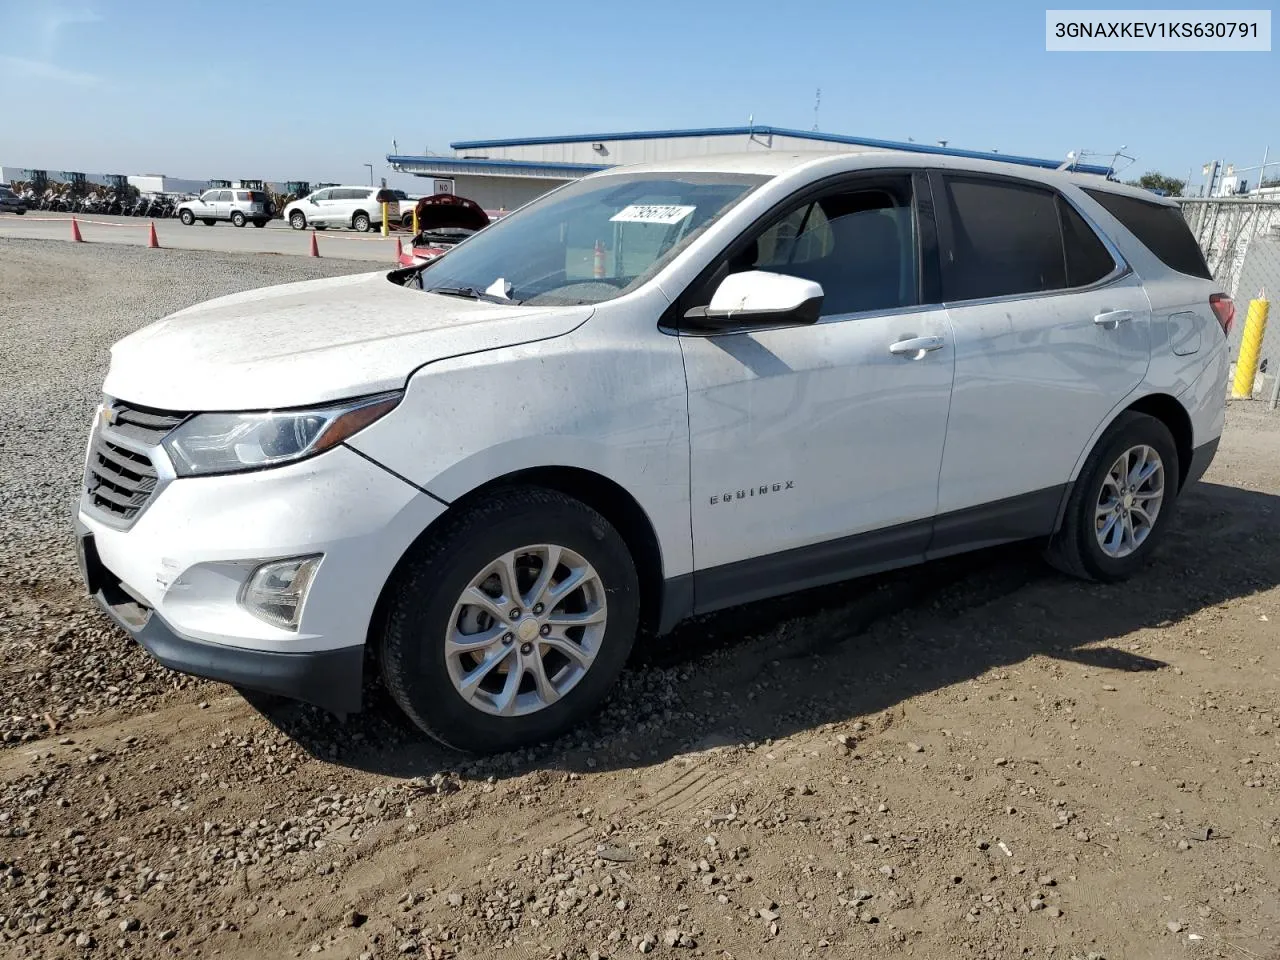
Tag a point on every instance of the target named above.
point(384, 219)
point(1255, 325)
point(415, 217)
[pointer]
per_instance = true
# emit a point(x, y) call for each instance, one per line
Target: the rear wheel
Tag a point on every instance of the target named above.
point(238, 218)
point(1121, 505)
point(511, 623)
point(360, 222)
point(298, 220)
point(187, 218)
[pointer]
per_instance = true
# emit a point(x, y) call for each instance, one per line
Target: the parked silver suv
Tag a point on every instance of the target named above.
point(237, 205)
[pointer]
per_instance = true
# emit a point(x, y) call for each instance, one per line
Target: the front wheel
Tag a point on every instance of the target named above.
point(511, 623)
point(298, 220)
point(187, 218)
point(360, 222)
point(1122, 503)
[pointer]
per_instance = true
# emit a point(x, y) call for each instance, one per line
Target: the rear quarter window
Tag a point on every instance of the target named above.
point(1161, 229)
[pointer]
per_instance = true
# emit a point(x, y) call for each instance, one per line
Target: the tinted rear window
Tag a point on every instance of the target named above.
point(1006, 240)
point(1088, 259)
point(1162, 230)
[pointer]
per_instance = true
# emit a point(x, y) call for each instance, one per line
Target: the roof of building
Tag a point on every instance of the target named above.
point(541, 169)
point(760, 131)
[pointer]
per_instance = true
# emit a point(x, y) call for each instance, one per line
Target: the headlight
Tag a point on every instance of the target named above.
point(232, 442)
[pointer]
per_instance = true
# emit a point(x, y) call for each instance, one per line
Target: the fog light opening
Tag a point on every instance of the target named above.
point(276, 591)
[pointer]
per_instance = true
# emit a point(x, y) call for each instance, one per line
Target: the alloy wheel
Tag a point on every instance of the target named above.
point(526, 630)
point(1129, 501)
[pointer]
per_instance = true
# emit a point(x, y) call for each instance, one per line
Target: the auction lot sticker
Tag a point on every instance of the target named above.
point(1133, 31)
point(651, 213)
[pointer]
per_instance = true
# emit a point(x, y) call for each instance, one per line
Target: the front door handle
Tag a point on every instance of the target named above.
point(1113, 318)
point(916, 347)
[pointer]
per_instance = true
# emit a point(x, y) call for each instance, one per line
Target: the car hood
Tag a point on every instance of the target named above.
point(311, 342)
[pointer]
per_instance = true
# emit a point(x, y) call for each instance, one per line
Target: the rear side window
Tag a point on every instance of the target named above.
point(1088, 259)
point(1005, 240)
point(242, 196)
point(1162, 230)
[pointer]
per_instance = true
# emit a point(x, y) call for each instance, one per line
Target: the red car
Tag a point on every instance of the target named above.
point(443, 221)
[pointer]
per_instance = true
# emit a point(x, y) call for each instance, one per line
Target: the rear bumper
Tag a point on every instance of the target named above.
point(1201, 457)
point(331, 679)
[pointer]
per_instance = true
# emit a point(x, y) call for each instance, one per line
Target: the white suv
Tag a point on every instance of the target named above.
point(359, 208)
point(654, 392)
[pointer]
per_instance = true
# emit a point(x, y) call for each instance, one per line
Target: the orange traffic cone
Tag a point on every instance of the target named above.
point(315, 247)
point(597, 266)
point(152, 240)
point(75, 232)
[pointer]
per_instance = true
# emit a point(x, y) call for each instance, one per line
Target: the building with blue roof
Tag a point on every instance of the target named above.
point(503, 174)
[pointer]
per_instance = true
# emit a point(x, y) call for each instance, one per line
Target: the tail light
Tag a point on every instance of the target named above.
point(1224, 308)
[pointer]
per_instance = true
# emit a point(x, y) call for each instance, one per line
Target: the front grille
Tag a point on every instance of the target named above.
point(120, 479)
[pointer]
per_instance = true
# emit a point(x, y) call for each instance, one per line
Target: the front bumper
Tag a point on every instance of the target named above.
point(173, 577)
point(331, 679)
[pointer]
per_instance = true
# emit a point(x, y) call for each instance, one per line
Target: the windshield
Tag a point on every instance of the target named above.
point(592, 240)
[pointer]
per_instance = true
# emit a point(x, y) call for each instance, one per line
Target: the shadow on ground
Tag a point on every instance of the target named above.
point(834, 653)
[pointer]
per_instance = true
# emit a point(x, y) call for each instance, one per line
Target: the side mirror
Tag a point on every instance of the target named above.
point(758, 297)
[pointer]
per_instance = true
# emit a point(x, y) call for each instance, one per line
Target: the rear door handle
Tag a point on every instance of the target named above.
point(916, 347)
point(1113, 318)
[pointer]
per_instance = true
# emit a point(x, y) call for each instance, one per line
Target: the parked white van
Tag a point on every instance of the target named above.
point(654, 392)
point(359, 208)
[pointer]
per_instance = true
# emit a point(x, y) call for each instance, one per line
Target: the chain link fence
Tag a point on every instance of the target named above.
point(1240, 237)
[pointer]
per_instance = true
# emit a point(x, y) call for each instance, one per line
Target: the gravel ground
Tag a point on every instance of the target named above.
point(977, 758)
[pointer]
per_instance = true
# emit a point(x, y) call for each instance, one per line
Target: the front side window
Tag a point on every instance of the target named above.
point(858, 244)
point(592, 240)
point(209, 196)
point(1005, 240)
point(321, 195)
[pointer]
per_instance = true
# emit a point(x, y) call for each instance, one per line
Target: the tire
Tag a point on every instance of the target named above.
point(1076, 549)
point(187, 218)
point(259, 223)
point(298, 220)
point(360, 222)
point(407, 221)
point(424, 605)
point(237, 218)
point(208, 221)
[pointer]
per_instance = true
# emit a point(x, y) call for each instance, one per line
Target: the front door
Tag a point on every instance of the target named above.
point(815, 449)
point(318, 211)
point(1051, 334)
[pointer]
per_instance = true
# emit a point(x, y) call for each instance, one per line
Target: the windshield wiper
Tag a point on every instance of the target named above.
point(470, 293)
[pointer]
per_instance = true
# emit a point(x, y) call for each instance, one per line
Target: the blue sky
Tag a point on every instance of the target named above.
point(284, 89)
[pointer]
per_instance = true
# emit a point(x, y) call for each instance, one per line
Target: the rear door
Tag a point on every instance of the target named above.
point(1051, 331)
point(222, 205)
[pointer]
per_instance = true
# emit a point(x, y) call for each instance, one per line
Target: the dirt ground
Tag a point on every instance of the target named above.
point(975, 758)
